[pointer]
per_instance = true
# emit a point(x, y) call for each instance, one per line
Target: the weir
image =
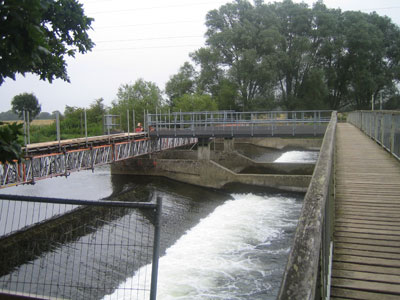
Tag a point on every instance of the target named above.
point(215, 168)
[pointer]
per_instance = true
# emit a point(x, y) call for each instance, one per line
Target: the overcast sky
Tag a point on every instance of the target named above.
point(140, 39)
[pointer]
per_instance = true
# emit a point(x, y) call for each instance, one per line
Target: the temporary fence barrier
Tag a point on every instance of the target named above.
point(77, 249)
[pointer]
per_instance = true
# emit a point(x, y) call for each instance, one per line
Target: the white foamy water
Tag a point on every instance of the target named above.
point(227, 255)
point(298, 157)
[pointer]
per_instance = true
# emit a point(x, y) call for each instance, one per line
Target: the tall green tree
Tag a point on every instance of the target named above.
point(184, 82)
point(37, 35)
point(141, 96)
point(288, 55)
point(26, 102)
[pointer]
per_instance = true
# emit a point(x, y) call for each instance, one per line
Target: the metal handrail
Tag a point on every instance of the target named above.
point(381, 126)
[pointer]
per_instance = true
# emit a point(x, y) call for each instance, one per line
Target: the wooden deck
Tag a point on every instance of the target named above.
point(366, 261)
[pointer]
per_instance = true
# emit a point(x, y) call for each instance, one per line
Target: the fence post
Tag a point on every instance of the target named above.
point(29, 127)
point(392, 135)
point(127, 120)
point(58, 127)
point(86, 129)
point(24, 115)
point(156, 250)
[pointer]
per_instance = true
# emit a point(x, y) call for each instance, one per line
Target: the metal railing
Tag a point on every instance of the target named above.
point(382, 126)
point(233, 122)
point(307, 273)
point(78, 249)
point(61, 164)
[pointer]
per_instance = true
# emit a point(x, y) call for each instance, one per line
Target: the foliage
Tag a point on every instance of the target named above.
point(37, 35)
point(291, 56)
point(181, 83)
point(141, 96)
point(8, 116)
point(195, 102)
point(28, 103)
point(10, 147)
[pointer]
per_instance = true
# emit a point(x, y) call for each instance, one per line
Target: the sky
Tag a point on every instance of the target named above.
point(140, 39)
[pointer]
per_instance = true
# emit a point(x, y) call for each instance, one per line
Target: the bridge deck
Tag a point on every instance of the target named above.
point(366, 261)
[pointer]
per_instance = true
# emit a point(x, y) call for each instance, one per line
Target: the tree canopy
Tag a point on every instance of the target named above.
point(292, 56)
point(26, 102)
point(37, 35)
point(140, 96)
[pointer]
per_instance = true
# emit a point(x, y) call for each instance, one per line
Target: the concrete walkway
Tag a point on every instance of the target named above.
point(366, 262)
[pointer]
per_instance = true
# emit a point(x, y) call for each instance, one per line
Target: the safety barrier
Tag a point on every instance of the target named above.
point(61, 164)
point(382, 126)
point(307, 273)
point(77, 249)
point(230, 123)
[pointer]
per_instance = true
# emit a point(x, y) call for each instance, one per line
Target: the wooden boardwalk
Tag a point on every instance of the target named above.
point(366, 261)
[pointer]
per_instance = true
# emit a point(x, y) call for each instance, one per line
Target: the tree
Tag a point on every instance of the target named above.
point(140, 96)
point(10, 148)
point(37, 35)
point(195, 102)
point(289, 55)
point(26, 102)
point(184, 82)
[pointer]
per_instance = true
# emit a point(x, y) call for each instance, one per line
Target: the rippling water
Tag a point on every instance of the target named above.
point(214, 244)
point(238, 251)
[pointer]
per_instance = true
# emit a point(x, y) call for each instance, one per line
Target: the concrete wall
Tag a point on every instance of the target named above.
point(208, 174)
point(239, 163)
point(281, 143)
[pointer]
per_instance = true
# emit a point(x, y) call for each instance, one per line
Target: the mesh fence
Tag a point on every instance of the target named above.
point(76, 249)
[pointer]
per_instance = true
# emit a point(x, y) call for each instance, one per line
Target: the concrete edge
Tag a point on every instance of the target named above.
point(301, 273)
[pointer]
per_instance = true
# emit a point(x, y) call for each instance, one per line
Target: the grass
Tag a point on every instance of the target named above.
point(34, 122)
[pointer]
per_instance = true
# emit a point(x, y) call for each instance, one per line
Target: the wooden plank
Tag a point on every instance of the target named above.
point(367, 230)
point(344, 215)
point(366, 253)
point(366, 285)
point(365, 268)
point(367, 236)
point(355, 224)
point(367, 260)
point(365, 276)
point(375, 248)
point(361, 241)
point(357, 294)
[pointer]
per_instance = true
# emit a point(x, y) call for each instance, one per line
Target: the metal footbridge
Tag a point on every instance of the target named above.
point(45, 160)
point(164, 131)
point(230, 124)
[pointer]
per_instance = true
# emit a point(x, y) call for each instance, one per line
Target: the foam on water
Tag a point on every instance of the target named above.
point(298, 157)
point(223, 256)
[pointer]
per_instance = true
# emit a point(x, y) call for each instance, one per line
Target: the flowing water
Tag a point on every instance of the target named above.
point(214, 244)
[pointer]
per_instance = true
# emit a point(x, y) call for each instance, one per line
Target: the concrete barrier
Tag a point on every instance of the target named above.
point(307, 272)
point(208, 173)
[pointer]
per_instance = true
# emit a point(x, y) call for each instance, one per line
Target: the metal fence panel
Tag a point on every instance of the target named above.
point(75, 249)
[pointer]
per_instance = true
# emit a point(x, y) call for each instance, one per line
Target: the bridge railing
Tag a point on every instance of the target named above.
point(61, 164)
point(54, 248)
point(382, 126)
point(307, 273)
point(230, 119)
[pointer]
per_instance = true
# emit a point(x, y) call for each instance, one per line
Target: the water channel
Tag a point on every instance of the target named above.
point(214, 244)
